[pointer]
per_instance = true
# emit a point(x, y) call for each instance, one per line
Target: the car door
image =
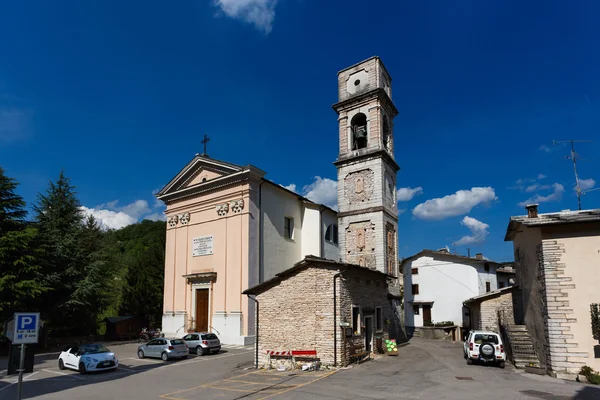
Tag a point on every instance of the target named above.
point(193, 340)
point(72, 358)
point(150, 349)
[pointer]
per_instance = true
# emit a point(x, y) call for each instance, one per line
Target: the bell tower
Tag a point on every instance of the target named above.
point(368, 211)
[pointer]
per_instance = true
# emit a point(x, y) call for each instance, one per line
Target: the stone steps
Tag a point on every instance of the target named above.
point(523, 352)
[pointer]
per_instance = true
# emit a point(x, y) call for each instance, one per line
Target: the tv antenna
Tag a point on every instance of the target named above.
point(573, 157)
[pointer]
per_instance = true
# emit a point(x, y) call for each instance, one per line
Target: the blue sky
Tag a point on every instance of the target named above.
point(119, 94)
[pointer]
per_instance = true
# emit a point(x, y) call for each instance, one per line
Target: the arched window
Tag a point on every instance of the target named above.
point(359, 131)
point(331, 234)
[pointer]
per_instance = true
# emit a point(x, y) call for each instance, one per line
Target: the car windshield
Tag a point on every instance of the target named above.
point(209, 336)
point(480, 338)
point(175, 342)
point(93, 349)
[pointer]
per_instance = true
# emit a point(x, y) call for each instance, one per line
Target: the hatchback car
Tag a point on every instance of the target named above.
point(89, 357)
point(484, 346)
point(203, 343)
point(163, 348)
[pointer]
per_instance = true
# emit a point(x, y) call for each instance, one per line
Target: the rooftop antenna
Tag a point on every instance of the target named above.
point(573, 157)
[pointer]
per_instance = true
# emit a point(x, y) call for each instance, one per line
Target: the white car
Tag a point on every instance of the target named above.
point(484, 346)
point(87, 358)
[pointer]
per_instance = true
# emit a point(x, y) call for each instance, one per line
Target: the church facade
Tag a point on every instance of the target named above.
point(229, 228)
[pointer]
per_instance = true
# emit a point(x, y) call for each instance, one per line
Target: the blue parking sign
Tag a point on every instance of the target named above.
point(26, 328)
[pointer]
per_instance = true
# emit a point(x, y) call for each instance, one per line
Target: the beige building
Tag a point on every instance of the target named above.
point(557, 259)
point(229, 228)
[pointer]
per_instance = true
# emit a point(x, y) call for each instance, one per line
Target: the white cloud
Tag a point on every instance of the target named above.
point(111, 216)
point(259, 13)
point(108, 219)
point(406, 194)
point(322, 191)
point(586, 184)
point(541, 176)
point(536, 186)
point(479, 231)
point(455, 204)
point(291, 186)
point(545, 148)
point(156, 217)
point(556, 195)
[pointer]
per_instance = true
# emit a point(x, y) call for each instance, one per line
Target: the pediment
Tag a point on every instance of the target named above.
point(199, 171)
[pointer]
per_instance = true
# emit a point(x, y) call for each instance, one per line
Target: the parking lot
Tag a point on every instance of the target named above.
point(422, 370)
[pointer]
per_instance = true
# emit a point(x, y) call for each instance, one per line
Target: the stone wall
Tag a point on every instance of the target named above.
point(485, 311)
point(562, 352)
point(297, 312)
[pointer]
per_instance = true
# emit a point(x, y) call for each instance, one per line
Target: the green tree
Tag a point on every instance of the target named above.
point(142, 256)
point(21, 281)
point(59, 221)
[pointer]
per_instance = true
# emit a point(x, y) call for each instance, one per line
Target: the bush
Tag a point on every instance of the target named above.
point(591, 375)
point(444, 323)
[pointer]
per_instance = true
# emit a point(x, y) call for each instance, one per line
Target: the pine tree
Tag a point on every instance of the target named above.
point(59, 220)
point(21, 281)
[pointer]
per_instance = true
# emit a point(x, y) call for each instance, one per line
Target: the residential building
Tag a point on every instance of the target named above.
point(229, 228)
point(436, 283)
point(557, 259)
point(331, 307)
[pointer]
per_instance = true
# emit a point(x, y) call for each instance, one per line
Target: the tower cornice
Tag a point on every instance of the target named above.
point(371, 94)
point(364, 154)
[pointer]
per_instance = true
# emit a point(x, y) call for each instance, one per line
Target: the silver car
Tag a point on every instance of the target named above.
point(164, 348)
point(203, 342)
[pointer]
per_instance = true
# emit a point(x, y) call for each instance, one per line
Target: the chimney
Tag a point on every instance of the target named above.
point(479, 256)
point(532, 211)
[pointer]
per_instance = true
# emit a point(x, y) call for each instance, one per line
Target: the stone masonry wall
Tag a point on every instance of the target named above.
point(297, 313)
point(488, 311)
point(561, 350)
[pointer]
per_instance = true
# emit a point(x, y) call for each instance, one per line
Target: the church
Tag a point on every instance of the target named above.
point(230, 230)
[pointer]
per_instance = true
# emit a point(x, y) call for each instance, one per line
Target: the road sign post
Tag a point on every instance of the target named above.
point(26, 331)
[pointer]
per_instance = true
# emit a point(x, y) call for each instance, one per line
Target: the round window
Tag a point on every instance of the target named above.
point(357, 82)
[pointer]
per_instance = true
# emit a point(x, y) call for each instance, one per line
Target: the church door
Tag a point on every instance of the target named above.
point(201, 310)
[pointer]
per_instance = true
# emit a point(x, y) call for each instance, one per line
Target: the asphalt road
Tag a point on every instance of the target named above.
point(423, 370)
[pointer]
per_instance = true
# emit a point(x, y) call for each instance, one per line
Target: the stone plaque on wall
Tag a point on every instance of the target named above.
point(358, 186)
point(202, 246)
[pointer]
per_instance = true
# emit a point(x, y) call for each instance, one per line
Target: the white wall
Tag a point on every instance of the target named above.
point(331, 251)
point(485, 276)
point(311, 238)
point(280, 253)
point(444, 282)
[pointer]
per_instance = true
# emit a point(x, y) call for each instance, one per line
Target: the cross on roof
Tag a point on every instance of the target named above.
point(204, 142)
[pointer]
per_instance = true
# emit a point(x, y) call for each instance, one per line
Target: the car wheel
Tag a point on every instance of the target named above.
point(81, 368)
point(465, 355)
point(469, 361)
point(164, 356)
point(140, 354)
point(199, 351)
point(502, 364)
point(61, 364)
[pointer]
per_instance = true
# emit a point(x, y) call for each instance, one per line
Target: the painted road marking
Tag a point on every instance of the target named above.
point(271, 389)
point(64, 374)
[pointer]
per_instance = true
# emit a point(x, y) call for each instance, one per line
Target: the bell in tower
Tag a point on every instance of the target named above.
point(359, 131)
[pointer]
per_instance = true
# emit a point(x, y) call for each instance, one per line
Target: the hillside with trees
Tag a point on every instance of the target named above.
point(58, 261)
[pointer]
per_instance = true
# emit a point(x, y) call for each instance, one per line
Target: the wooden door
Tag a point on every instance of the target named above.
point(201, 310)
point(426, 315)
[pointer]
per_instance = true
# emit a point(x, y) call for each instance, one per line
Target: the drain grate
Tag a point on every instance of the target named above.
point(464, 378)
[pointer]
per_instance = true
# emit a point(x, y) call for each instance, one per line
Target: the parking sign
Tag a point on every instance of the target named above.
point(26, 328)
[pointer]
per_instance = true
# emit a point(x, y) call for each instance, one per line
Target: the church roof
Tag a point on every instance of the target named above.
point(311, 261)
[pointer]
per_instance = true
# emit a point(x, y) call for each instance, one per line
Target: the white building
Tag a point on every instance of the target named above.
point(436, 283)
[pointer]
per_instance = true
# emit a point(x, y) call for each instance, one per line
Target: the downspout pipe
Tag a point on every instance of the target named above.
point(335, 328)
point(261, 255)
point(321, 236)
point(255, 333)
